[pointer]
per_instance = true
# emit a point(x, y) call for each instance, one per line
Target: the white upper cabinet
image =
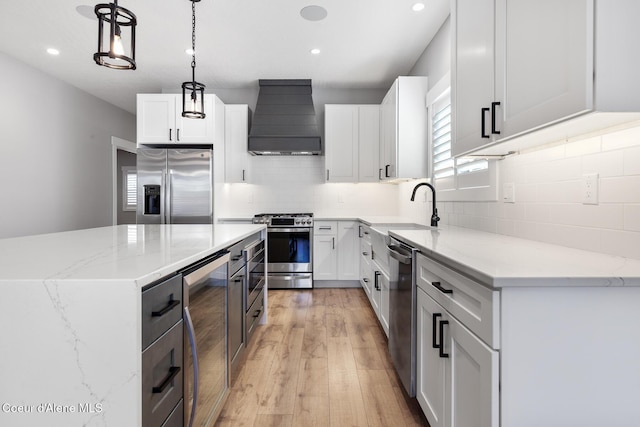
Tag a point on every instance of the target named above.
point(351, 142)
point(236, 133)
point(404, 130)
point(559, 68)
point(159, 120)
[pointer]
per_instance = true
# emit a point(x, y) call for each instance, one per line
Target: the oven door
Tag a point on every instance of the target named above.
point(290, 250)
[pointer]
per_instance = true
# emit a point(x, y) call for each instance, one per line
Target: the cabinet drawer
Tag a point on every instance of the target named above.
point(364, 232)
point(476, 306)
point(162, 375)
point(325, 228)
point(161, 309)
point(176, 419)
point(253, 316)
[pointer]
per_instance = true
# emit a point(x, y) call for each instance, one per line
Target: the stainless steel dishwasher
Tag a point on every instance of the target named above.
point(402, 313)
point(205, 313)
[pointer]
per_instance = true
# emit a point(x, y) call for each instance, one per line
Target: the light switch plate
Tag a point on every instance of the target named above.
point(509, 193)
point(590, 189)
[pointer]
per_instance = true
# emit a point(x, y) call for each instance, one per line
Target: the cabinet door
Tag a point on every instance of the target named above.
point(325, 257)
point(341, 143)
point(368, 143)
point(195, 131)
point(236, 129)
point(544, 61)
point(472, 379)
point(348, 248)
point(388, 133)
point(155, 118)
point(430, 367)
point(472, 80)
point(383, 281)
point(375, 289)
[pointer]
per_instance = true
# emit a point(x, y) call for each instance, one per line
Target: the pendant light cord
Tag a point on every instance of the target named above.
point(193, 42)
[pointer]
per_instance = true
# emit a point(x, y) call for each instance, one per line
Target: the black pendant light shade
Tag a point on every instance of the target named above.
point(193, 92)
point(116, 37)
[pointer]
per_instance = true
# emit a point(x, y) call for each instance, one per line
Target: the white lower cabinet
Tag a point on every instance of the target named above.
point(457, 374)
point(335, 250)
point(383, 289)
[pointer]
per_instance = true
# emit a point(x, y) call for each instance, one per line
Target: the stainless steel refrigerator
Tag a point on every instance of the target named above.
point(175, 186)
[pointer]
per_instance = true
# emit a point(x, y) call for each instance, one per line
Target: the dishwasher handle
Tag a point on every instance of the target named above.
point(396, 252)
point(200, 271)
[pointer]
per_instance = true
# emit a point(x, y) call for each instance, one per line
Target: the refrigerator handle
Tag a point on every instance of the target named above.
point(168, 195)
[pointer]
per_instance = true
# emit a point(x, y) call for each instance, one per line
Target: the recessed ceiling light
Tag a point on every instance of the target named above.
point(315, 51)
point(52, 51)
point(313, 13)
point(418, 7)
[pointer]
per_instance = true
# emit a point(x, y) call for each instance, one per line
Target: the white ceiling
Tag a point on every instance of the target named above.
point(363, 43)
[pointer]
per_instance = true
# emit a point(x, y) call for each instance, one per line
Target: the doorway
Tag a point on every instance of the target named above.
point(123, 155)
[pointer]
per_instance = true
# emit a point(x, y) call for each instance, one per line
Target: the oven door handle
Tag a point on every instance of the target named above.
point(288, 230)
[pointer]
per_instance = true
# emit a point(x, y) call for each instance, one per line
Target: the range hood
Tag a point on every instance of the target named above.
point(284, 122)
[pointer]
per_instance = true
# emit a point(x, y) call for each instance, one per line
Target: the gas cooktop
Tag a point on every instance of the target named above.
point(284, 219)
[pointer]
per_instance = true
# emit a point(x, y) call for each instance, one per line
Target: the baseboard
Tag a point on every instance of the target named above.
point(336, 284)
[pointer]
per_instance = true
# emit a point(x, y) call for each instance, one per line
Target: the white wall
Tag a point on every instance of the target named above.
point(435, 61)
point(548, 194)
point(55, 153)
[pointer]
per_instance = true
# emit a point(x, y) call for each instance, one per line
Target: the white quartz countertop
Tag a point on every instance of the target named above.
point(139, 253)
point(499, 261)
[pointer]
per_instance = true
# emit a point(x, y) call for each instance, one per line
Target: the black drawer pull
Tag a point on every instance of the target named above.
point(441, 289)
point(173, 371)
point(365, 280)
point(257, 313)
point(442, 353)
point(236, 258)
point(172, 304)
point(434, 338)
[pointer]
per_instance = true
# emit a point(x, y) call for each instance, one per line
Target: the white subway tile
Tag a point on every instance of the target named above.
point(506, 226)
point(620, 189)
point(526, 230)
point(584, 146)
point(526, 192)
point(607, 163)
point(560, 192)
point(632, 218)
point(621, 139)
point(537, 212)
point(512, 211)
point(632, 161)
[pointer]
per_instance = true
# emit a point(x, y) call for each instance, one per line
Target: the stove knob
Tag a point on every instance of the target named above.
point(308, 221)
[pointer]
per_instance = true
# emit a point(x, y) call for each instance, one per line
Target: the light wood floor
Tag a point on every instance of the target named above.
point(321, 360)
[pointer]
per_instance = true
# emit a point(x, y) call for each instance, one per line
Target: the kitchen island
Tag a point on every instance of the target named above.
point(70, 317)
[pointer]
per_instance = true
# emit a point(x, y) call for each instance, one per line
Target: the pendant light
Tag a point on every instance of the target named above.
point(116, 28)
point(193, 92)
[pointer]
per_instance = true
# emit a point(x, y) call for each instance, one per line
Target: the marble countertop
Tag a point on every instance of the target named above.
point(499, 261)
point(139, 253)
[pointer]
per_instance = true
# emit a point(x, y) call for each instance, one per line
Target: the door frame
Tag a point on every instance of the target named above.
point(117, 144)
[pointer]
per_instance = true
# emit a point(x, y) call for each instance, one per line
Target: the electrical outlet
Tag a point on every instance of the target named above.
point(509, 193)
point(590, 189)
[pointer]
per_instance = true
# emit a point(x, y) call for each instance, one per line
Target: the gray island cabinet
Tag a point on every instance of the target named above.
point(71, 318)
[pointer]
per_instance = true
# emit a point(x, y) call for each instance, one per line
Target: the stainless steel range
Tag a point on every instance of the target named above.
point(289, 249)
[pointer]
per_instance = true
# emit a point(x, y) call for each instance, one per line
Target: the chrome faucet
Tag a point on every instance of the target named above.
point(434, 214)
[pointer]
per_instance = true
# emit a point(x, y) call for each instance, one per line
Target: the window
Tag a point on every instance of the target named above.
point(462, 179)
point(129, 188)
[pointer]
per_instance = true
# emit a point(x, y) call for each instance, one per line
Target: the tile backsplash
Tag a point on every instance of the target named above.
point(549, 193)
point(296, 184)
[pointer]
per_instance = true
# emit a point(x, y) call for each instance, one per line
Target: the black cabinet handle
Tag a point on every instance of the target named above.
point(177, 134)
point(483, 132)
point(434, 338)
point(173, 371)
point(365, 253)
point(386, 171)
point(243, 175)
point(442, 353)
point(493, 118)
point(377, 275)
point(172, 304)
point(441, 289)
point(170, 131)
point(380, 174)
point(257, 313)
point(236, 258)
point(365, 280)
